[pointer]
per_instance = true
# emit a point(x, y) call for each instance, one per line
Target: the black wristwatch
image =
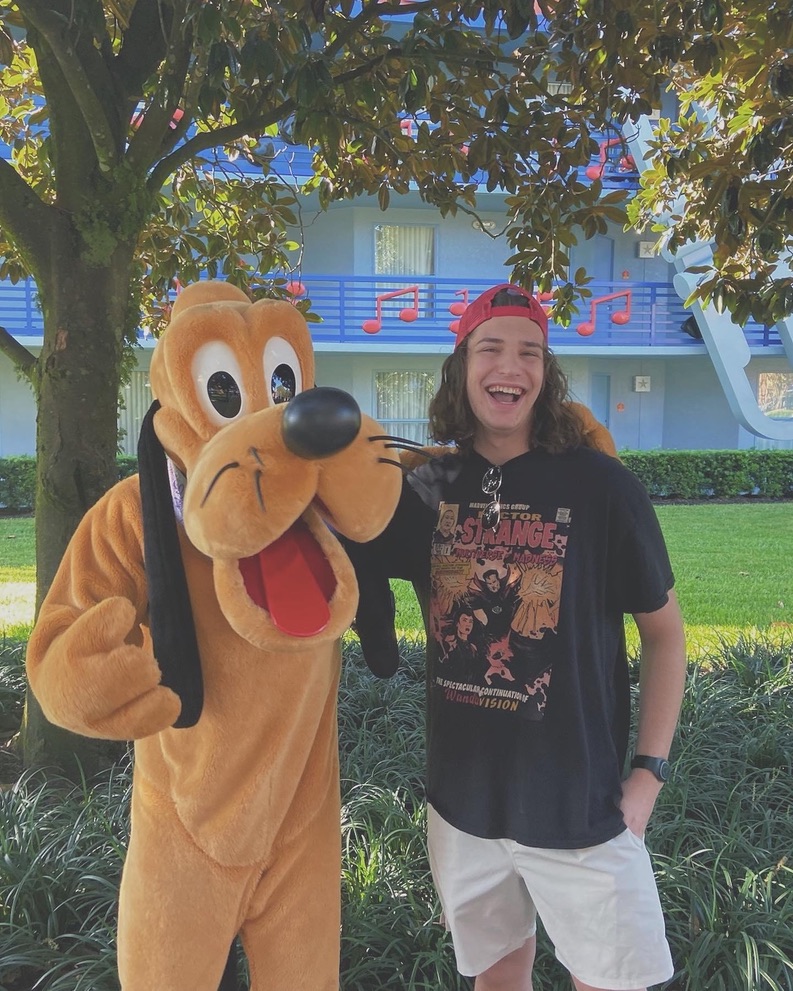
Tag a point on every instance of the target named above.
point(660, 767)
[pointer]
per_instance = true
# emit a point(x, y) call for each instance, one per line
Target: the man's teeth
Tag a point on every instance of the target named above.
point(506, 390)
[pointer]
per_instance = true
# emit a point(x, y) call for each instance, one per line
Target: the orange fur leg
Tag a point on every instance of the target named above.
point(179, 911)
point(292, 935)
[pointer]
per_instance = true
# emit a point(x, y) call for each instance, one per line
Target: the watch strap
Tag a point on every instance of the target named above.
point(659, 766)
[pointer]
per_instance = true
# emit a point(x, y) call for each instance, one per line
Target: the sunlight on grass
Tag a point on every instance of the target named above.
point(17, 604)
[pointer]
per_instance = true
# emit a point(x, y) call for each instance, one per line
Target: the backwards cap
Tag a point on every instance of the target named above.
point(483, 308)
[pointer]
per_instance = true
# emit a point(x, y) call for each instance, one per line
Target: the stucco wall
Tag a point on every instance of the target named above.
point(17, 413)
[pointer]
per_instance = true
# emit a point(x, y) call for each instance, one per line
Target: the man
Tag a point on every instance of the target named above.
point(528, 815)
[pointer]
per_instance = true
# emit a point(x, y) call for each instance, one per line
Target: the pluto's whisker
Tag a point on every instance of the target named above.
point(400, 440)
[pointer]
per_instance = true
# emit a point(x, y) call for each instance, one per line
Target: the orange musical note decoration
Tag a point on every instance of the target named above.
point(408, 314)
point(620, 317)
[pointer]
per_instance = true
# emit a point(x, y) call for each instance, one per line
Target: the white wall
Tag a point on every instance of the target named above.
point(696, 413)
point(17, 412)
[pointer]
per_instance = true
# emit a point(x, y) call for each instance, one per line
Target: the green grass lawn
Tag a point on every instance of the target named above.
point(732, 563)
point(17, 574)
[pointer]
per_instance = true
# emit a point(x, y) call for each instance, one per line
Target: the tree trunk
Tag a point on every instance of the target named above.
point(86, 313)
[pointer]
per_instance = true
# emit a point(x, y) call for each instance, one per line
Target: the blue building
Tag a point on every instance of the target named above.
point(390, 285)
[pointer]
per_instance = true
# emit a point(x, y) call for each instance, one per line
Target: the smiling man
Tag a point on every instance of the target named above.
point(529, 816)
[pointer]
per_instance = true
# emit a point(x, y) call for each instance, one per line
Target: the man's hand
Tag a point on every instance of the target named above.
point(639, 792)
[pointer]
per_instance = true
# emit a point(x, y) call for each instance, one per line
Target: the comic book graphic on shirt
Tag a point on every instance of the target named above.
point(494, 605)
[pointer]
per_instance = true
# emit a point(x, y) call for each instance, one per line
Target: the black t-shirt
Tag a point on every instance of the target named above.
point(528, 698)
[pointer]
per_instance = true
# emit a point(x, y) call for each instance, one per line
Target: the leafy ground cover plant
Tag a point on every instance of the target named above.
point(721, 839)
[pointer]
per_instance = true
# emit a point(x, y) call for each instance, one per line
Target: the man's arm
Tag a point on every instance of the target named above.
point(661, 683)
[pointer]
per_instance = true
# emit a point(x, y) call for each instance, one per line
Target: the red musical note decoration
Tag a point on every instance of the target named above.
point(625, 164)
point(457, 309)
point(620, 317)
point(408, 314)
point(295, 288)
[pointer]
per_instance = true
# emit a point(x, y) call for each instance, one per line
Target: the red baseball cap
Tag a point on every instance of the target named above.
point(483, 309)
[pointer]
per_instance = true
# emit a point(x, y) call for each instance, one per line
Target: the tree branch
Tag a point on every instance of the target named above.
point(25, 218)
point(155, 136)
point(22, 359)
point(57, 32)
point(215, 139)
point(144, 44)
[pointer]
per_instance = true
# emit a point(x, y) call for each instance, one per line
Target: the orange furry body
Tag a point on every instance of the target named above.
point(235, 819)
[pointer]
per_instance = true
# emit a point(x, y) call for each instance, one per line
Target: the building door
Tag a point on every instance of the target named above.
point(600, 398)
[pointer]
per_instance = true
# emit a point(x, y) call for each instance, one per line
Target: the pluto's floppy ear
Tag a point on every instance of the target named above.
point(170, 614)
point(374, 624)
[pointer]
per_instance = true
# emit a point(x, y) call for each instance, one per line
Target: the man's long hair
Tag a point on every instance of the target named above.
point(554, 426)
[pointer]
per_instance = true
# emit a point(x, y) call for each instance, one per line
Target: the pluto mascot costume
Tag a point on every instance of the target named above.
point(198, 611)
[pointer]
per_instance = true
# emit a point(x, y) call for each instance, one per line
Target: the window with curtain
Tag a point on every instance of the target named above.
point(405, 250)
point(403, 399)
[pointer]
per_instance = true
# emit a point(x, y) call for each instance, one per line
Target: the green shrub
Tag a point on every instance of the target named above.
point(665, 474)
point(18, 480)
point(720, 838)
point(18, 483)
point(766, 474)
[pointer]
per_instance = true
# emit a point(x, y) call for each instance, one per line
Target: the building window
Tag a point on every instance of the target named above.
point(403, 399)
point(775, 394)
point(405, 250)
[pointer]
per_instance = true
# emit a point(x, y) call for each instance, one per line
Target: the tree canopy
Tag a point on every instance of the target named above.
point(150, 92)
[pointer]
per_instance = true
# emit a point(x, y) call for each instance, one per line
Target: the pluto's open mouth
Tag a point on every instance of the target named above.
point(293, 580)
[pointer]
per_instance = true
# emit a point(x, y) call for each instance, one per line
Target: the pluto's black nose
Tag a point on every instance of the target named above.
point(320, 422)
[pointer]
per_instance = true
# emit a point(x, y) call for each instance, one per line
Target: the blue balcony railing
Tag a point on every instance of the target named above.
point(412, 312)
point(362, 310)
point(423, 311)
point(19, 310)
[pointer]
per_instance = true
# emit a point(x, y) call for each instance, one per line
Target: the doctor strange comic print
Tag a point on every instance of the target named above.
point(494, 605)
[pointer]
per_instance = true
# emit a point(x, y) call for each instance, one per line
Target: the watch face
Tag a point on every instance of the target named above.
point(663, 770)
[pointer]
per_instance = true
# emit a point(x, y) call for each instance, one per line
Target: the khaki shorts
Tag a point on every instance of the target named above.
point(599, 906)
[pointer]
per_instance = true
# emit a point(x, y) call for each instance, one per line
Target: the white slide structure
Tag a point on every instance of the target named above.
point(725, 340)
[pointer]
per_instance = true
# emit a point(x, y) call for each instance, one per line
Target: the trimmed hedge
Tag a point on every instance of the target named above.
point(764, 474)
point(18, 480)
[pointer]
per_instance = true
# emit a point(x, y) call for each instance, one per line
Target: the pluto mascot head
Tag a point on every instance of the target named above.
point(197, 611)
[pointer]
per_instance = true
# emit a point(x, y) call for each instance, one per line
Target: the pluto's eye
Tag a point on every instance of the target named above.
point(224, 394)
point(282, 385)
point(282, 373)
point(218, 382)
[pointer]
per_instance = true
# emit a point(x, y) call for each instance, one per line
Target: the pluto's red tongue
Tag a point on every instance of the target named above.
point(293, 581)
